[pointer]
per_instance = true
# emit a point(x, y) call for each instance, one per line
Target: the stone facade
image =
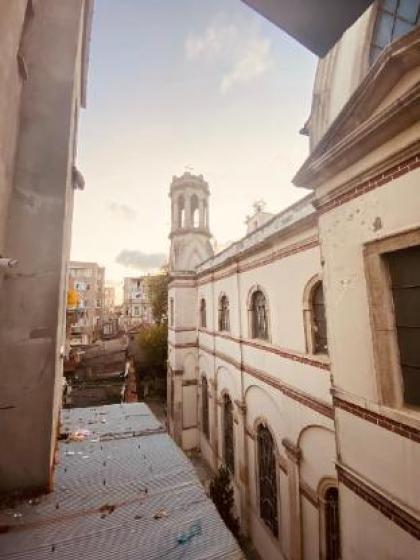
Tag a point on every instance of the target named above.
point(44, 48)
point(332, 427)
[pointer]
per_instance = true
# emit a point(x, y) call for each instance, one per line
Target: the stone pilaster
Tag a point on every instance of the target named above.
point(293, 459)
point(243, 468)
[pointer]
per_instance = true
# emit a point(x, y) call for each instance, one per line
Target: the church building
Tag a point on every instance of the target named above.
point(294, 354)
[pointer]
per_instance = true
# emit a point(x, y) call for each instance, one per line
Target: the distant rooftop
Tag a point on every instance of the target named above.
point(123, 491)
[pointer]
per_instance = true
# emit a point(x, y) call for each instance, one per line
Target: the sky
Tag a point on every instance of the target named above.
point(208, 85)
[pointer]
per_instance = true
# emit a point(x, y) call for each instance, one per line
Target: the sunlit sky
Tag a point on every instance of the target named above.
point(176, 83)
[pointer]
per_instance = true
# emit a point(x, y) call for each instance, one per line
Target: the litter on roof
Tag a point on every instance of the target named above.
point(122, 491)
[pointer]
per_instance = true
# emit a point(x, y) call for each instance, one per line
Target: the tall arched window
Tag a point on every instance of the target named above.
point(228, 441)
point(332, 524)
point(203, 313)
point(224, 313)
point(319, 322)
point(195, 211)
point(181, 212)
point(395, 18)
point(267, 479)
point(259, 316)
point(205, 406)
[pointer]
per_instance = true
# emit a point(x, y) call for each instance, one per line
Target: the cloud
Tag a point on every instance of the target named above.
point(139, 260)
point(122, 211)
point(243, 54)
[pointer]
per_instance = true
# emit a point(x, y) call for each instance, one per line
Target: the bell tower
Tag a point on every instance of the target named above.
point(190, 233)
point(190, 245)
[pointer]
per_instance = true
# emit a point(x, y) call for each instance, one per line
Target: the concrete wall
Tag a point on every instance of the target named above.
point(37, 232)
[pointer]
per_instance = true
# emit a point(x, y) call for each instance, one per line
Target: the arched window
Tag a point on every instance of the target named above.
point(332, 524)
point(319, 322)
point(195, 212)
point(205, 406)
point(203, 313)
point(224, 313)
point(181, 212)
point(267, 479)
point(259, 316)
point(228, 442)
point(395, 18)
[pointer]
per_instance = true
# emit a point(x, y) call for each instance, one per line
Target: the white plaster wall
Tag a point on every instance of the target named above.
point(318, 455)
point(343, 234)
point(389, 461)
point(284, 282)
point(368, 534)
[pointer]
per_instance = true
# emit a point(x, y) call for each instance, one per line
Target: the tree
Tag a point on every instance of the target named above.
point(153, 347)
point(158, 295)
point(221, 492)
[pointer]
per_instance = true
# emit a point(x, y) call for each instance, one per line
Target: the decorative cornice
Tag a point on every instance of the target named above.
point(183, 345)
point(288, 354)
point(182, 329)
point(385, 422)
point(387, 507)
point(289, 250)
point(188, 382)
point(292, 450)
point(358, 130)
point(295, 394)
point(241, 406)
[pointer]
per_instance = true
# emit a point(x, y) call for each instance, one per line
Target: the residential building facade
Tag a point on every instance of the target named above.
point(44, 47)
point(294, 354)
point(137, 309)
point(86, 279)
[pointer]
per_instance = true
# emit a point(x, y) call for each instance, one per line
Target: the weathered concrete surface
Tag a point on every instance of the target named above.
point(37, 232)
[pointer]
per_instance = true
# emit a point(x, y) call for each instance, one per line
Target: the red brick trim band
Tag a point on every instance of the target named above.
point(390, 509)
point(181, 329)
point(379, 419)
point(288, 354)
point(303, 398)
point(282, 253)
point(371, 184)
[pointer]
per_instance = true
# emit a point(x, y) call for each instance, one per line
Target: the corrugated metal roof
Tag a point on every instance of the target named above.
point(109, 489)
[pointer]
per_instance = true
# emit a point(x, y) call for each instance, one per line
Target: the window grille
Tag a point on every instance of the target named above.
point(259, 318)
point(228, 442)
point(332, 524)
point(395, 18)
point(267, 479)
point(404, 267)
point(203, 314)
point(205, 406)
point(224, 314)
point(319, 320)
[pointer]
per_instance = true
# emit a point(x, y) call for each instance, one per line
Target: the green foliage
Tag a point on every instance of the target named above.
point(158, 294)
point(152, 343)
point(221, 492)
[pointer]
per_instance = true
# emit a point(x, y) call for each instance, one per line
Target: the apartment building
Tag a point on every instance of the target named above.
point(137, 309)
point(86, 280)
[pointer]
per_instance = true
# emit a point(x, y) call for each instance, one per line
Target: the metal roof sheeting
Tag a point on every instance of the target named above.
point(126, 491)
